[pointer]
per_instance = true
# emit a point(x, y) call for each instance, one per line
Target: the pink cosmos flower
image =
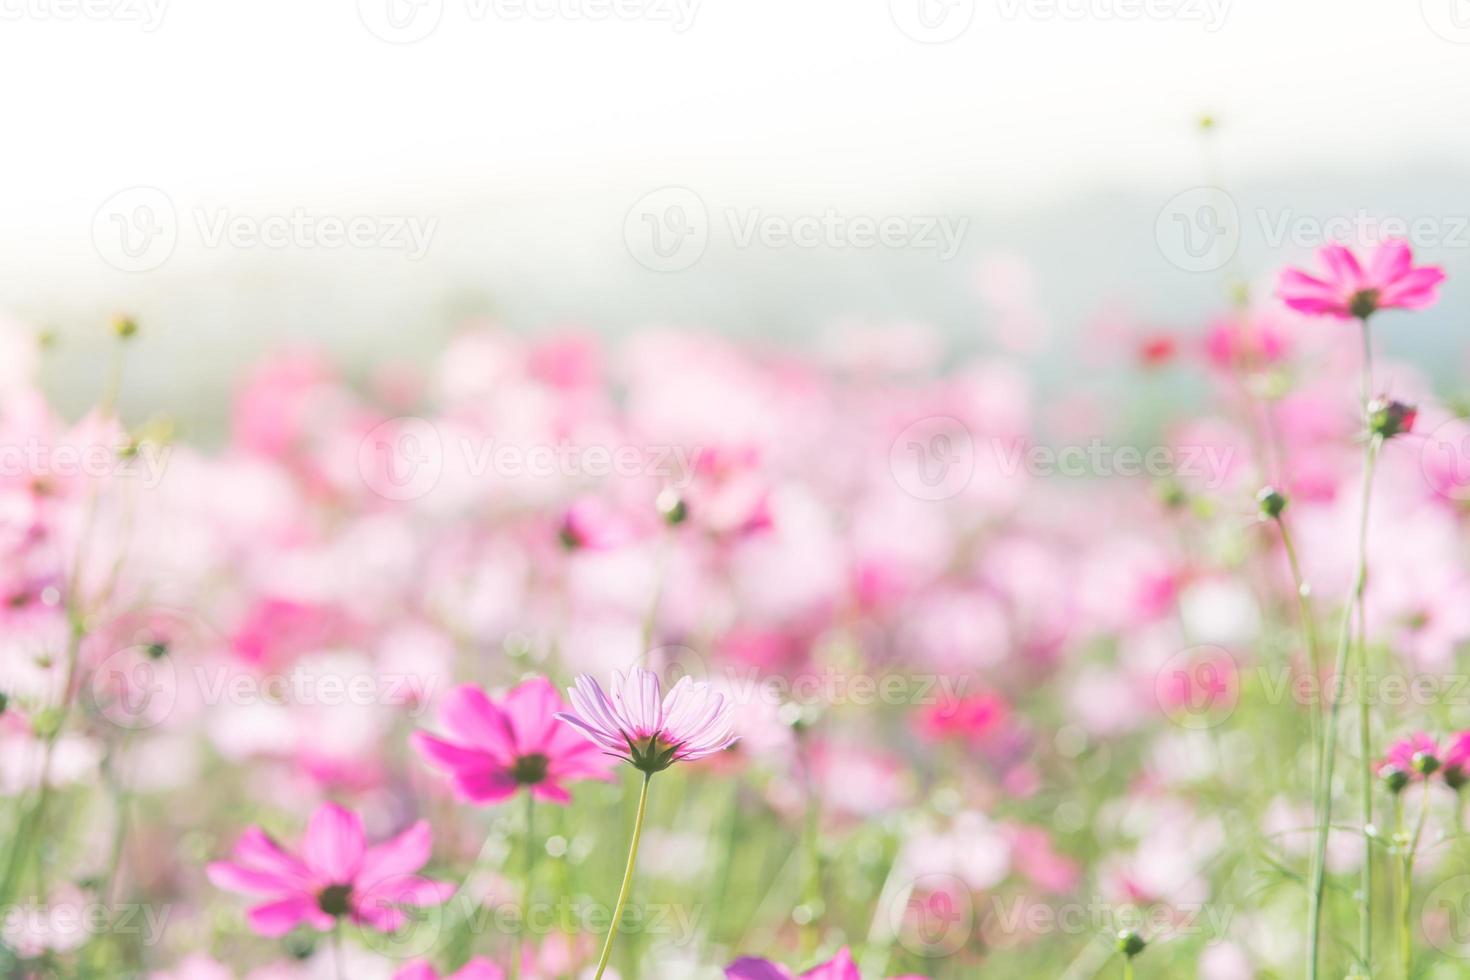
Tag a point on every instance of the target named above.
point(1402, 755)
point(651, 731)
point(972, 718)
point(478, 968)
point(1456, 760)
point(1352, 289)
point(1248, 340)
point(590, 523)
point(839, 967)
point(336, 875)
point(496, 748)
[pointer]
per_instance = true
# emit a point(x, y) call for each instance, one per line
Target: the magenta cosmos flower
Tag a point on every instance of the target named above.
point(496, 748)
point(478, 968)
point(1408, 759)
point(650, 730)
point(1354, 289)
point(336, 876)
point(1457, 760)
point(839, 967)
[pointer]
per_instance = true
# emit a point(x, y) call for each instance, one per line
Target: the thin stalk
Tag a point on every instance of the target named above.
point(529, 871)
point(1406, 884)
point(1310, 639)
point(1329, 751)
point(1365, 747)
point(617, 916)
point(32, 820)
point(340, 969)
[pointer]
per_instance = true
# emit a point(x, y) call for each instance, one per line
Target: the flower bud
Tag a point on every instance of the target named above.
point(1272, 502)
point(1394, 778)
point(1425, 763)
point(124, 326)
point(672, 505)
point(1364, 303)
point(1455, 777)
point(1130, 943)
point(1171, 494)
point(1388, 418)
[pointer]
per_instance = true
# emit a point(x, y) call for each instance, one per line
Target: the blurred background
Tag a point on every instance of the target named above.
point(365, 175)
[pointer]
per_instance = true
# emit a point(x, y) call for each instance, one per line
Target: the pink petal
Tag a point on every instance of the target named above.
point(279, 918)
point(259, 850)
point(551, 793)
point(449, 755)
point(385, 917)
point(490, 786)
point(1342, 266)
point(479, 968)
point(839, 967)
point(1307, 293)
point(334, 844)
point(750, 968)
point(248, 881)
point(468, 713)
point(592, 711)
point(1413, 291)
point(417, 970)
point(581, 760)
point(405, 853)
point(1388, 262)
point(403, 890)
point(531, 708)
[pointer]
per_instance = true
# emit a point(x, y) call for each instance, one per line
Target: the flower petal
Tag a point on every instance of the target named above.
point(470, 714)
point(334, 844)
point(531, 709)
point(450, 755)
point(401, 855)
point(750, 968)
point(279, 918)
point(249, 881)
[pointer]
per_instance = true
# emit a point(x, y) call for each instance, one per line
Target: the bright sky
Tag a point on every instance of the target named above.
point(300, 98)
point(527, 128)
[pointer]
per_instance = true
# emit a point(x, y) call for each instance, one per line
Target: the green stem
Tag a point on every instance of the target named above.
point(617, 916)
point(1324, 788)
point(1127, 968)
point(1310, 638)
point(337, 964)
point(529, 870)
point(33, 820)
point(1365, 746)
point(1406, 884)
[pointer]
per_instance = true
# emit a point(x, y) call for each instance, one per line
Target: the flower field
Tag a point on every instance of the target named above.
point(678, 656)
